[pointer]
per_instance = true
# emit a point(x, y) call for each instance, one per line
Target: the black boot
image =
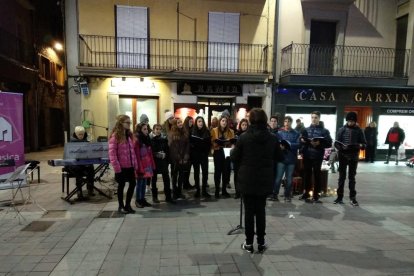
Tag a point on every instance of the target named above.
point(80, 195)
point(155, 199)
point(197, 193)
point(225, 194)
point(204, 193)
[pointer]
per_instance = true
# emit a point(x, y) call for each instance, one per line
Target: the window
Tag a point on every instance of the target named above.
point(45, 68)
point(224, 38)
point(132, 36)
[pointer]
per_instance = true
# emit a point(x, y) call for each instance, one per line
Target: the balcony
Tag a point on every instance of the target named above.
point(172, 59)
point(352, 66)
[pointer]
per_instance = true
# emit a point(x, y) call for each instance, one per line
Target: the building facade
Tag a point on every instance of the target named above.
point(146, 57)
point(29, 65)
point(343, 56)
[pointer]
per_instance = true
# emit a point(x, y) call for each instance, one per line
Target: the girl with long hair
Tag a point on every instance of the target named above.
point(188, 126)
point(124, 161)
point(220, 138)
point(242, 128)
point(200, 144)
point(179, 147)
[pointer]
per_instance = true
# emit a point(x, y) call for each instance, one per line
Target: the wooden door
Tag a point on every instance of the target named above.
point(364, 117)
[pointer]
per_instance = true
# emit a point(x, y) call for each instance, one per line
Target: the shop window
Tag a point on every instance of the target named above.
point(329, 121)
point(385, 122)
point(223, 38)
point(132, 36)
point(134, 107)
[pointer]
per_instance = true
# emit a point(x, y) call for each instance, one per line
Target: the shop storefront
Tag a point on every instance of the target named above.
point(210, 99)
point(384, 106)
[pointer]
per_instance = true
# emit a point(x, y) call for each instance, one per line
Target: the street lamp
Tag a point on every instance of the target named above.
point(58, 46)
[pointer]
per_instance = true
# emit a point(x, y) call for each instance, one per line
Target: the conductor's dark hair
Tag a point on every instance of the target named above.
point(258, 117)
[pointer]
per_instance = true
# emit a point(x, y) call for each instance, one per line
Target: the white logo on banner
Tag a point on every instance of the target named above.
point(6, 133)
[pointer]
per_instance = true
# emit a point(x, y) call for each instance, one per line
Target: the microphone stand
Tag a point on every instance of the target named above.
point(100, 127)
point(238, 229)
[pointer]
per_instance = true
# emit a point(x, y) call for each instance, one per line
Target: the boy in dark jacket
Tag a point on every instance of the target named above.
point(159, 146)
point(315, 139)
point(352, 139)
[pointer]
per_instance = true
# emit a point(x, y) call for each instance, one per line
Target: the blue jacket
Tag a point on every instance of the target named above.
point(292, 136)
point(314, 131)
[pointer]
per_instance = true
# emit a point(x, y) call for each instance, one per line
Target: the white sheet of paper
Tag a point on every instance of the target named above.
point(226, 152)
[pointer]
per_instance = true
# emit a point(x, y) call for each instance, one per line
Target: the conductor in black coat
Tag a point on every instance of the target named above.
point(255, 154)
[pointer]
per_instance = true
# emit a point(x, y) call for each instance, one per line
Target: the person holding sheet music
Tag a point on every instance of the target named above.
point(349, 140)
point(189, 126)
point(314, 140)
point(124, 161)
point(242, 128)
point(289, 145)
point(80, 171)
point(179, 146)
point(221, 137)
point(200, 144)
point(159, 146)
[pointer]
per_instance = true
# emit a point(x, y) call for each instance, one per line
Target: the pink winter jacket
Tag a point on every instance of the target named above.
point(122, 155)
point(146, 160)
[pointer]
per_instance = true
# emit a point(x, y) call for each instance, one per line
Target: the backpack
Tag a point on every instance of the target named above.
point(393, 137)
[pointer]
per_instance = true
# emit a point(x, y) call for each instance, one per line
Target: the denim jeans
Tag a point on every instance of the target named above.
point(140, 189)
point(287, 170)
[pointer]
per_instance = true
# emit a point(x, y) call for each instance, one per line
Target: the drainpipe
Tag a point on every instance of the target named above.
point(178, 33)
point(275, 53)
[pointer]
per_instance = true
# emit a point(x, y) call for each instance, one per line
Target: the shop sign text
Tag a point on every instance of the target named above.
point(384, 97)
point(399, 111)
point(317, 96)
point(209, 88)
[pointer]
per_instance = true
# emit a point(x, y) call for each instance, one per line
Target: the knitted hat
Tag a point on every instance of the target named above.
point(169, 115)
point(351, 116)
point(225, 113)
point(144, 119)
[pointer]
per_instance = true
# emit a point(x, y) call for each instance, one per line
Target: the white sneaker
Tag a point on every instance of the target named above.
point(247, 247)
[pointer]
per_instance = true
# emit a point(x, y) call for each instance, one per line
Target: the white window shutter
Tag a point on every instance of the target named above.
point(223, 47)
point(132, 36)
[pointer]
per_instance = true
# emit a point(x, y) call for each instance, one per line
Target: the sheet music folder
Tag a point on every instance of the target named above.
point(85, 150)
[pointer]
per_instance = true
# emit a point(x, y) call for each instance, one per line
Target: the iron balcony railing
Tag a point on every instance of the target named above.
point(170, 54)
point(15, 48)
point(346, 61)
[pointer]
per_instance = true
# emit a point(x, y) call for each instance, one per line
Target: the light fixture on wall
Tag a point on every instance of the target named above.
point(58, 46)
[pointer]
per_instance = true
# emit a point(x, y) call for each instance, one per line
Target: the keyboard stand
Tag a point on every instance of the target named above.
point(101, 169)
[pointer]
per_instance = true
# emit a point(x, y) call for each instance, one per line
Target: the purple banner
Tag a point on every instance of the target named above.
point(11, 131)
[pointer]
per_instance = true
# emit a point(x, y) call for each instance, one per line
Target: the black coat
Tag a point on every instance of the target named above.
point(401, 135)
point(200, 144)
point(255, 154)
point(160, 144)
point(371, 134)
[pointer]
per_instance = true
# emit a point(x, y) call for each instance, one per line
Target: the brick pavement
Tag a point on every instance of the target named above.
point(191, 238)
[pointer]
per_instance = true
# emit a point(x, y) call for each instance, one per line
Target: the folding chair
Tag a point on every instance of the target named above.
point(18, 181)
